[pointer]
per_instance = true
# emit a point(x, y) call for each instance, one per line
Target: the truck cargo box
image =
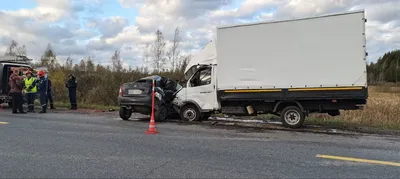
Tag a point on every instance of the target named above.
point(322, 51)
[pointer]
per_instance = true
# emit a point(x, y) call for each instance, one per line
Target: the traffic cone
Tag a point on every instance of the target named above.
point(152, 126)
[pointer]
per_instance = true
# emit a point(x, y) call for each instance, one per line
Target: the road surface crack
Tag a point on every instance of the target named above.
point(155, 168)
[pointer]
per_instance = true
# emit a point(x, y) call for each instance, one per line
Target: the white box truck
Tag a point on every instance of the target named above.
point(288, 68)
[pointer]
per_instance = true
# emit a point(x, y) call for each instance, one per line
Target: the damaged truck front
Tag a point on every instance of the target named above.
point(288, 68)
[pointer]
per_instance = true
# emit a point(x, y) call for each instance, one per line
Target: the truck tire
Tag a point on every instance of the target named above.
point(161, 114)
point(124, 113)
point(292, 117)
point(190, 113)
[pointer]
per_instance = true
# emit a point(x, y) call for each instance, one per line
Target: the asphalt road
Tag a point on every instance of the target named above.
point(68, 145)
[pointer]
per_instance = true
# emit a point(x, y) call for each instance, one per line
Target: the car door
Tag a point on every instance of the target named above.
point(200, 89)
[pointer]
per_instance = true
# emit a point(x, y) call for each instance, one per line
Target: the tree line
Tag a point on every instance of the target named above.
point(386, 69)
point(99, 84)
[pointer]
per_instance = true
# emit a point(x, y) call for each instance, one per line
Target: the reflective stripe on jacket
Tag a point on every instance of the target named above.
point(30, 83)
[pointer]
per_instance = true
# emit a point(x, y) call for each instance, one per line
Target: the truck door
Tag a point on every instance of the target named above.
point(200, 89)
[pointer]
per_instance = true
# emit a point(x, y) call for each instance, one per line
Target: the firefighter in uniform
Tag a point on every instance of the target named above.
point(30, 90)
point(42, 89)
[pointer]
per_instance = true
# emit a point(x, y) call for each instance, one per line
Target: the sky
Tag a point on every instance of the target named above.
point(96, 28)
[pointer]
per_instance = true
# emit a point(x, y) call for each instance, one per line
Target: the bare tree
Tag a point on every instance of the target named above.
point(145, 59)
point(12, 49)
point(158, 52)
point(90, 67)
point(82, 66)
point(116, 62)
point(21, 51)
point(182, 63)
point(174, 53)
point(68, 63)
point(48, 58)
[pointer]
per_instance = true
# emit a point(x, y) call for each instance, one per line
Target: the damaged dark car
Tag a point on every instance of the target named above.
point(136, 97)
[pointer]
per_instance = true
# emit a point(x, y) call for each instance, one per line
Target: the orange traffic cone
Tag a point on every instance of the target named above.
point(152, 126)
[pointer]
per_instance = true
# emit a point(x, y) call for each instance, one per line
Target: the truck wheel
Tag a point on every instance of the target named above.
point(190, 113)
point(161, 114)
point(124, 113)
point(292, 117)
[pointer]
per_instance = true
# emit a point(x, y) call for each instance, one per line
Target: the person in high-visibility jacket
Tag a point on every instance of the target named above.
point(30, 90)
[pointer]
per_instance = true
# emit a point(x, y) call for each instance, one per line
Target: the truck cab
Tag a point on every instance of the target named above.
point(198, 97)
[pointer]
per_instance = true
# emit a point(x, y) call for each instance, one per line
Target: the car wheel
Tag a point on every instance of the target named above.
point(161, 114)
point(292, 117)
point(124, 113)
point(190, 113)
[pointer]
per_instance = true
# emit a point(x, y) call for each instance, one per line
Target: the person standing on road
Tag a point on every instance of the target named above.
point(71, 84)
point(49, 93)
point(30, 90)
point(15, 82)
point(42, 89)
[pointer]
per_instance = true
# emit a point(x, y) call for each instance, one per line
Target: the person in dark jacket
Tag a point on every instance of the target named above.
point(49, 94)
point(71, 84)
point(42, 90)
point(16, 84)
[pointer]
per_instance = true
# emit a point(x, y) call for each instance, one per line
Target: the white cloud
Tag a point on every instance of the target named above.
point(58, 22)
point(109, 26)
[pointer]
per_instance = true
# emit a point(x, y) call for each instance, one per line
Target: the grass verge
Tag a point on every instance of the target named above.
point(59, 104)
point(382, 111)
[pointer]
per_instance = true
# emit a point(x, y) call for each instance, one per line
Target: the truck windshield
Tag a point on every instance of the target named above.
point(192, 70)
point(187, 75)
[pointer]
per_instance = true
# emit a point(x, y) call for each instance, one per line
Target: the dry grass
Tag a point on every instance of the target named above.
point(58, 104)
point(382, 110)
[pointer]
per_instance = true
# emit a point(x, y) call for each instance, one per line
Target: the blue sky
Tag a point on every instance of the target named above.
point(17, 4)
point(96, 28)
point(108, 8)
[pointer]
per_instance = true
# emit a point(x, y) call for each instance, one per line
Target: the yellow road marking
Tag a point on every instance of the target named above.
point(3, 122)
point(358, 160)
